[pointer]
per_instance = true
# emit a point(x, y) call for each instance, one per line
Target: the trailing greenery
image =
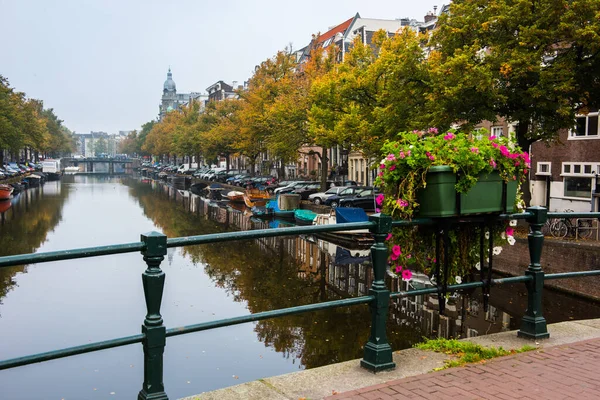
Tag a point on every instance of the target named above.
point(466, 352)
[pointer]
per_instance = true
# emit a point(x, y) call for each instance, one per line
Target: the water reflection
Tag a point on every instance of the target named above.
point(25, 221)
point(272, 273)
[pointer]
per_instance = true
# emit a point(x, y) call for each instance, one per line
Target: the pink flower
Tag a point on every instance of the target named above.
point(402, 203)
point(409, 256)
point(389, 236)
point(396, 250)
point(474, 150)
point(510, 231)
point(406, 275)
point(517, 163)
point(378, 210)
point(431, 157)
point(495, 145)
point(401, 155)
point(408, 153)
point(433, 131)
point(493, 163)
point(382, 166)
point(391, 157)
point(398, 269)
point(514, 178)
point(379, 199)
point(380, 173)
point(504, 151)
point(492, 137)
point(394, 257)
point(449, 136)
point(392, 167)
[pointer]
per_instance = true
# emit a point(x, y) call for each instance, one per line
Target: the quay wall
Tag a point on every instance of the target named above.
point(557, 256)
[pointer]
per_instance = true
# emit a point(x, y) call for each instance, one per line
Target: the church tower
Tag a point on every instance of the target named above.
point(169, 96)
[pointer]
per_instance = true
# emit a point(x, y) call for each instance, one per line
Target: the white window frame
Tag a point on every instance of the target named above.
point(594, 168)
point(573, 132)
point(540, 164)
point(494, 129)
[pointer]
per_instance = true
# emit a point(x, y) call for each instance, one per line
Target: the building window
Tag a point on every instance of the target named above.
point(586, 127)
point(497, 131)
point(578, 187)
point(544, 168)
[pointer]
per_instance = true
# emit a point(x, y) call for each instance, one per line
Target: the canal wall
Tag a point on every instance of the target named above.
point(557, 256)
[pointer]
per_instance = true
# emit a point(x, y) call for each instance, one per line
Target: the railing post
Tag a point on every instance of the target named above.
point(155, 333)
point(378, 353)
point(533, 324)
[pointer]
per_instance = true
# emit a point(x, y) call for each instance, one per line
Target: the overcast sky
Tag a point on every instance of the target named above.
point(101, 64)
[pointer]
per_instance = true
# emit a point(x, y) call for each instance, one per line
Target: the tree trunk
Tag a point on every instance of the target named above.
point(227, 162)
point(324, 162)
point(281, 173)
point(524, 143)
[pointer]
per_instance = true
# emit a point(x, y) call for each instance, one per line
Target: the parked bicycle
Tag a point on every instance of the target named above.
point(571, 227)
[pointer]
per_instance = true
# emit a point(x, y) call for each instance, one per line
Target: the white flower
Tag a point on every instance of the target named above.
point(487, 234)
point(503, 235)
point(478, 266)
point(513, 222)
point(511, 240)
point(458, 279)
point(497, 250)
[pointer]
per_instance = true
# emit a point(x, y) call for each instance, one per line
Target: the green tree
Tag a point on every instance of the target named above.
point(534, 62)
point(100, 146)
point(11, 118)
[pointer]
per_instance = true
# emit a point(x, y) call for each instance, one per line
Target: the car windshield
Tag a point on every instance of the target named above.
point(348, 191)
point(331, 191)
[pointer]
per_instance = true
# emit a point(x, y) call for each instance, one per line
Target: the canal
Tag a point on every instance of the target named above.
point(62, 304)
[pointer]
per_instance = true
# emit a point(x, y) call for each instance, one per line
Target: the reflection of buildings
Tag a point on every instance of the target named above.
point(343, 273)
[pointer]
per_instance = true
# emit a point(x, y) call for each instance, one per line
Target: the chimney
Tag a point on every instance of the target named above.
point(435, 10)
point(430, 17)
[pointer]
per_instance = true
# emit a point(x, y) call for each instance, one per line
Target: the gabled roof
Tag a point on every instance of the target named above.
point(341, 28)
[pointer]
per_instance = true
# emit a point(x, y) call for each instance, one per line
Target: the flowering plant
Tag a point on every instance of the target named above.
point(403, 172)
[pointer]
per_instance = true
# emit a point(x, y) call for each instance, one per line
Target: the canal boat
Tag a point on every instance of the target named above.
point(5, 191)
point(361, 238)
point(52, 169)
point(198, 188)
point(279, 213)
point(71, 170)
point(254, 198)
point(304, 217)
point(235, 196)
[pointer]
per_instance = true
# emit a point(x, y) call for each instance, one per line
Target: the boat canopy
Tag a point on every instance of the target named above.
point(348, 214)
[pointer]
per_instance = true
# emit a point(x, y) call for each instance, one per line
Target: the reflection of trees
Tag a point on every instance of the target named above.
point(24, 226)
point(274, 273)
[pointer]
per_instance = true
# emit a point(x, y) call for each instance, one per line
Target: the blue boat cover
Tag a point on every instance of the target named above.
point(272, 204)
point(347, 214)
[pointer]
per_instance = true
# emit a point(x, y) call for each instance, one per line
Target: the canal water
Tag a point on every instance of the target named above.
point(62, 304)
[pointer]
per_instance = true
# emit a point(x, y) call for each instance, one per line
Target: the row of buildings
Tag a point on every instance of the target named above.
point(564, 176)
point(97, 144)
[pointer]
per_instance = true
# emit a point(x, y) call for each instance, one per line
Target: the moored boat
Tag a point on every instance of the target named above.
point(235, 196)
point(304, 217)
point(5, 191)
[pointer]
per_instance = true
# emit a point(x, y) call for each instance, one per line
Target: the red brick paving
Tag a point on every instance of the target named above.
point(562, 372)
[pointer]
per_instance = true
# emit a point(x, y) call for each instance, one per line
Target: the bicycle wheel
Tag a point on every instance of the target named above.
point(586, 232)
point(547, 227)
point(560, 229)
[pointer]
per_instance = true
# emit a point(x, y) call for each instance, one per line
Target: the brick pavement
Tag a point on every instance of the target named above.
point(562, 372)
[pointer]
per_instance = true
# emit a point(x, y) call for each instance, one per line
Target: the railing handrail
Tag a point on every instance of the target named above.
point(378, 354)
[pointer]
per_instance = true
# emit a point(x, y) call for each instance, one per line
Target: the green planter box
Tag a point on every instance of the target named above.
point(439, 198)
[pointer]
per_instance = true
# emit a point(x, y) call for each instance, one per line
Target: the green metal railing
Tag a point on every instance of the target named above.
point(377, 351)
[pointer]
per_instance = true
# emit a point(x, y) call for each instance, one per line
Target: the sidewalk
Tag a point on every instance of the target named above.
point(561, 372)
point(562, 367)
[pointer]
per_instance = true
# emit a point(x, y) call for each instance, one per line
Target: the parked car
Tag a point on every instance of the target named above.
point(320, 197)
point(289, 188)
point(307, 190)
point(364, 199)
point(334, 200)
